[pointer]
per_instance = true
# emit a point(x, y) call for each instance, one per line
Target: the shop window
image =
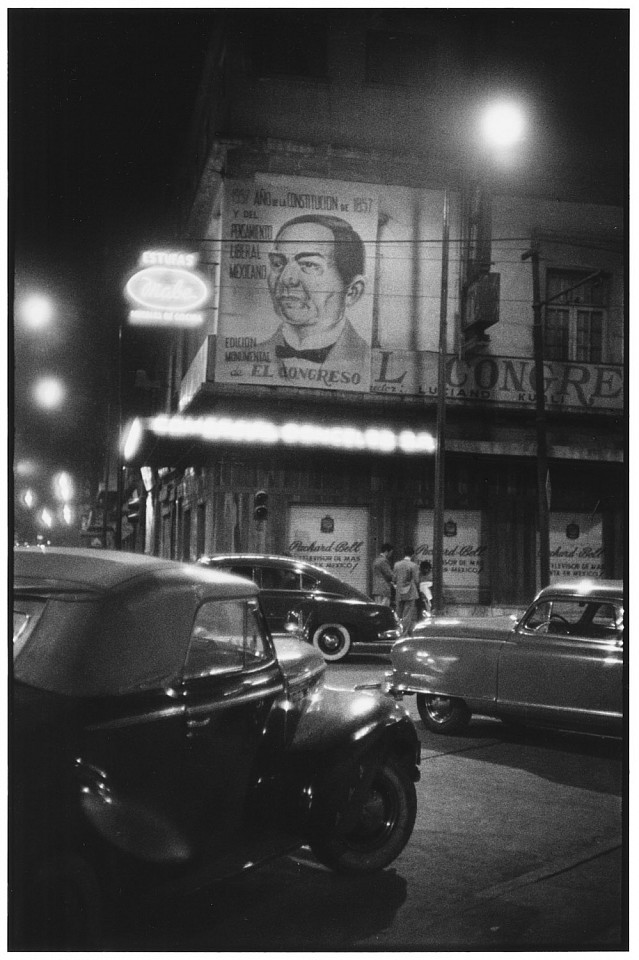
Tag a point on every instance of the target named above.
point(201, 529)
point(186, 536)
point(576, 321)
point(290, 44)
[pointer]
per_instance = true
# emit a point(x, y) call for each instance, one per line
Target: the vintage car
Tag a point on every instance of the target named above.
point(336, 617)
point(160, 739)
point(560, 664)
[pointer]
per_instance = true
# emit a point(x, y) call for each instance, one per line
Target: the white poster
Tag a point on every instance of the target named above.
point(576, 545)
point(297, 277)
point(465, 547)
point(335, 538)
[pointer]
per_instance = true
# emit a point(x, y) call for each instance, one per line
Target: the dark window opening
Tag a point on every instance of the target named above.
point(575, 323)
point(287, 44)
point(399, 58)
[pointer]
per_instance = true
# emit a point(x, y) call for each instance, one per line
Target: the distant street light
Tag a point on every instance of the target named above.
point(46, 517)
point(49, 393)
point(36, 312)
point(63, 486)
point(28, 498)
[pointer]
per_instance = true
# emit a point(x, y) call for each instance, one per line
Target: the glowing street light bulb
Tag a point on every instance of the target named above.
point(46, 517)
point(503, 125)
point(49, 393)
point(37, 312)
point(63, 486)
point(28, 498)
point(67, 513)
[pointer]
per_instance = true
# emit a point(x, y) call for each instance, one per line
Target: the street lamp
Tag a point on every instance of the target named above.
point(36, 312)
point(502, 125)
point(49, 393)
point(63, 486)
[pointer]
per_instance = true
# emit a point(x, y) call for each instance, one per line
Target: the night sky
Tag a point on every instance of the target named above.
point(99, 107)
point(100, 103)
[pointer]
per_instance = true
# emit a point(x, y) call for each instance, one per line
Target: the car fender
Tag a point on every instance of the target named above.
point(335, 718)
point(340, 741)
point(125, 823)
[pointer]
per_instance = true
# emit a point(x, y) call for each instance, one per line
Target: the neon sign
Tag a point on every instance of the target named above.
point(242, 430)
point(167, 291)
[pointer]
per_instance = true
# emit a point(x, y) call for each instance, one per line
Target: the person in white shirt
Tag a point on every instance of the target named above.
point(426, 587)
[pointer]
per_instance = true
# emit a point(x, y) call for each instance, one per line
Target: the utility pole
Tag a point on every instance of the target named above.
point(440, 450)
point(543, 512)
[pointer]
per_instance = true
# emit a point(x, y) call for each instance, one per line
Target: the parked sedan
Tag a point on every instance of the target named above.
point(160, 739)
point(561, 664)
point(336, 618)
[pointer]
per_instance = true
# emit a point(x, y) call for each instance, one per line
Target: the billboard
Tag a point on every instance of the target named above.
point(296, 298)
point(335, 538)
point(466, 550)
point(576, 546)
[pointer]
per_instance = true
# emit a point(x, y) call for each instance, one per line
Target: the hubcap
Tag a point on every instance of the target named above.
point(439, 708)
point(331, 640)
point(377, 818)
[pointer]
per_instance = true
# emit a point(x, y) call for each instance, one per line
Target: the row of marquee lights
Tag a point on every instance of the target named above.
point(241, 430)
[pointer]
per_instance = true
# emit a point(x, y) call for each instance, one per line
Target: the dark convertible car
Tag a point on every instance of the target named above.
point(160, 739)
point(336, 618)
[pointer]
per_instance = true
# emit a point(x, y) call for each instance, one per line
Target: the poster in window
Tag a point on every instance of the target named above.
point(339, 546)
point(576, 545)
point(466, 567)
point(296, 296)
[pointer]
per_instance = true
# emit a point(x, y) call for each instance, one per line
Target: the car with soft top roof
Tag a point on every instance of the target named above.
point(161, 738)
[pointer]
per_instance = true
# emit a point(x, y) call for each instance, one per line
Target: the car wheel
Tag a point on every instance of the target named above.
point(332, 640)
point(442, 714)
point(61, 908)
point(382, 831)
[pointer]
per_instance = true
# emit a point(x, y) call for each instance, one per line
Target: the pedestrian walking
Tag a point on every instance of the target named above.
point(406, 580)
point(383, 576)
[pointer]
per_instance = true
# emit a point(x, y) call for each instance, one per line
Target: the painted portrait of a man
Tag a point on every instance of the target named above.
point(315, 275)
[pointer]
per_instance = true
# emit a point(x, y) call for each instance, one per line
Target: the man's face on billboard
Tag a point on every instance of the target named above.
point(305, 285)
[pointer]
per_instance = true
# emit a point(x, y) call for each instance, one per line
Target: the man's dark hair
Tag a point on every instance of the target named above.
point(386, 547)
point(425, 566)
point(350, 257)
point(409, 551)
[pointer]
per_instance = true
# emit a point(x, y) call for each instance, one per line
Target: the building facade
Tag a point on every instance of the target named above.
point(342, 235)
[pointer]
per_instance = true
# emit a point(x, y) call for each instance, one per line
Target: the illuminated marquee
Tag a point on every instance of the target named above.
point(240, 430)
point(167, 291)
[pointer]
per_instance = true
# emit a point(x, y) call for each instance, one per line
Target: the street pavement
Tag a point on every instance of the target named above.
point(518, 845)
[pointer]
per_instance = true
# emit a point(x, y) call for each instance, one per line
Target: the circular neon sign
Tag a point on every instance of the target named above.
point(167, 288)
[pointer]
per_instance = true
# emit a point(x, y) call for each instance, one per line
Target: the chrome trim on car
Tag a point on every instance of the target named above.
point(163, 714)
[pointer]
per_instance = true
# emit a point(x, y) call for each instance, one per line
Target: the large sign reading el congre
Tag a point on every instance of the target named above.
point(311, 297)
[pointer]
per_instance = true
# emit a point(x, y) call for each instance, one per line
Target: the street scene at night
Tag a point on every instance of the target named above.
point(319, 479)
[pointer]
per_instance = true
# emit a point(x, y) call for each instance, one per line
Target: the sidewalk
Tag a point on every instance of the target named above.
point(578, 905)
